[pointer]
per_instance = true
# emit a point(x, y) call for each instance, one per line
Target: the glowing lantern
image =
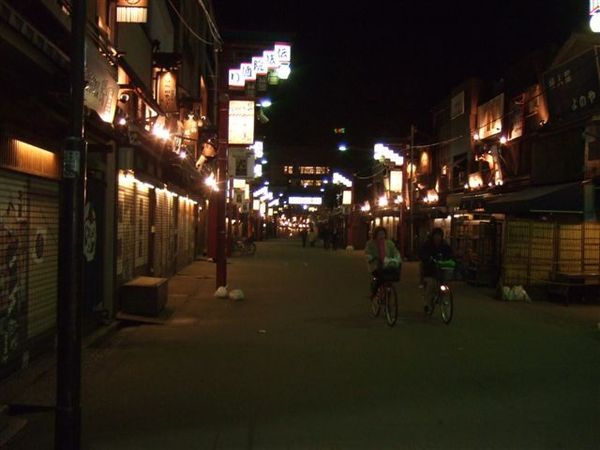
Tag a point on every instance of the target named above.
point(132, 11)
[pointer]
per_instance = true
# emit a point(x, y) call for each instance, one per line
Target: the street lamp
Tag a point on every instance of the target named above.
point(265, 103)
point(342, 147)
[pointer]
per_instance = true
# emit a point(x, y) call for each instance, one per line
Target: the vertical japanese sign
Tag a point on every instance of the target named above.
point(573, 88)
point(241, 122)
point(167, 91)
point(102, 89)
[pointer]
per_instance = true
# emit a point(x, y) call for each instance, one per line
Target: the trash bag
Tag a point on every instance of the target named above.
point(221, 292)
point(515, 294)
point(236, 294)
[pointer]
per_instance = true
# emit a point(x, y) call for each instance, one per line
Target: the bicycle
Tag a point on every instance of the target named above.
point(244, 247)
point(444, 297)
point(386, 297)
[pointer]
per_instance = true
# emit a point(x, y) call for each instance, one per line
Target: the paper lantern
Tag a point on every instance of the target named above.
point(132, 11)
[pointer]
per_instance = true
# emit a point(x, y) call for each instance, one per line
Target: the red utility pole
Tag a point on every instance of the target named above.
point(221, 194)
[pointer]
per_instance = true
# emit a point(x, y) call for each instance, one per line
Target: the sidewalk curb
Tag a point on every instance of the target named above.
point(102, 333)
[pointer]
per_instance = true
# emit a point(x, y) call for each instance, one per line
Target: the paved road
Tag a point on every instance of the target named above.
point(327, 376)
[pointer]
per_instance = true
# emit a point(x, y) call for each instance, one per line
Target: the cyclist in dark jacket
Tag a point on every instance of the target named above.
point(435, 248)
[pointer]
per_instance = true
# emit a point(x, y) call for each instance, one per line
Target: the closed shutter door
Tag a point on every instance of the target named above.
point(43, 260)
point(172, 213)
point(126, 231)
point(28, 262)
point(141, 229)
point(13, 266)
point(161, 233)
point(181, 234)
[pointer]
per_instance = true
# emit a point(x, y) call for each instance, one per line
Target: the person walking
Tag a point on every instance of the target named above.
point(304, 236)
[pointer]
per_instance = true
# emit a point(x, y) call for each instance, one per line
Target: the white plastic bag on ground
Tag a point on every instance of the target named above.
point(221, 292)
point(515, 294)
point(521, 294)
point(236, 294)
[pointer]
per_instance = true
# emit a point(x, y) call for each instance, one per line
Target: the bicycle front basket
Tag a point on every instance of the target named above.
point(391, 275)
point(447, 274)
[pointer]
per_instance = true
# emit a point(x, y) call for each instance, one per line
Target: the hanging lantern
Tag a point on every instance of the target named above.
point(132, 11)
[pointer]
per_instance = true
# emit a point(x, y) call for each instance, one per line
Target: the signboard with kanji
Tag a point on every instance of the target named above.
point(241, 122)
point(573, 88)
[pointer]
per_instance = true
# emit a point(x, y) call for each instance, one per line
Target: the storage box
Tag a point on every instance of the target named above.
point(144, 296)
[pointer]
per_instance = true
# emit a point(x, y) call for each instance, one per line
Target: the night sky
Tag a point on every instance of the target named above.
point(376, 66)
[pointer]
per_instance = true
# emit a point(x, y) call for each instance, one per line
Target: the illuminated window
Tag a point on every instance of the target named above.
point(306, 170)
point(311, 182)
point(289, 170)
point(322, 170)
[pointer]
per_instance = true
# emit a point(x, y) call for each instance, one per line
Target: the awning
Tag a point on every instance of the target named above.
point(561, 198)
point(453, 200)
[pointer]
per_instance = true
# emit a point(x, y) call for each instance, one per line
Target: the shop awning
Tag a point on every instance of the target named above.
point(467, 201)
point(561, 198)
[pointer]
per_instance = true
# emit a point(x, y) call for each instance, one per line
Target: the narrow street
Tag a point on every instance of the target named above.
point(325, 375)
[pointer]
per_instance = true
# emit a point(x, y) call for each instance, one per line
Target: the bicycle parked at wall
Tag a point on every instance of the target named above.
point(244, 247)
point(443, 297)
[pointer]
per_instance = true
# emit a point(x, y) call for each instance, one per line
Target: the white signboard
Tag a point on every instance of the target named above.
point(347, 198)
point(241, 122)
point(283, 53)
point(270, 59)
point(305, 201)
point(248, 72)
point(259, 65)
point(396, 181)
point(241, 163)
point(236, 79)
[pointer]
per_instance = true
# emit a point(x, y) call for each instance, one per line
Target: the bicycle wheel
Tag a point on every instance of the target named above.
point(446, 305)
point(391, 305)
point(251, 248)
point(376, 302)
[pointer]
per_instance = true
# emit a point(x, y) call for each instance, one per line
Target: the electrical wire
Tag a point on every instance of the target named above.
point(186, 25)
point(211, 24)
point(434, 144)
point(374, 175)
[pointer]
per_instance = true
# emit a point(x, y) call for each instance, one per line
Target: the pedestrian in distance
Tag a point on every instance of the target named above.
point(312, 235)
point(325, 236)
point(304, 236)
point(334, 238)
